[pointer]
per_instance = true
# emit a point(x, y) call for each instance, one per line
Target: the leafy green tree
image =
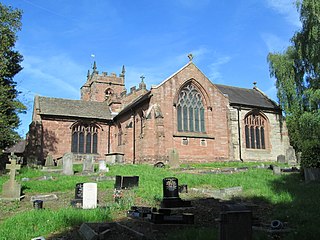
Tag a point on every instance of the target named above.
point(10, 59)
point(297, 73)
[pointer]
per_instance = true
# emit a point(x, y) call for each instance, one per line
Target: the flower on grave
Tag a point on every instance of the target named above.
point(117, 193)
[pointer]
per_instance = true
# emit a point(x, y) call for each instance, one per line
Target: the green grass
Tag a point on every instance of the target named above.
point(288, 199)
point(36, 223)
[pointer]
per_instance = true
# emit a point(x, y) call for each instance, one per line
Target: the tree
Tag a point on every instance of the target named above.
point(10, 59)
point(297, 73)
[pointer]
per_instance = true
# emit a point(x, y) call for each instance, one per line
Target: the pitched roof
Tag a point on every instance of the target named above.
point(74, 108)
point(18, 147)
point(134, 103)
point(247, 97)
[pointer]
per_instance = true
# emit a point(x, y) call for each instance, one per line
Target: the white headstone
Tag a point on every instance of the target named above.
point(90, 194)
point(102, 166)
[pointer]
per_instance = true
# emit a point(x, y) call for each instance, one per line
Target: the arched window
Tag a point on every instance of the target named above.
point(84, 138)
point(190, 110)
point(255, 125)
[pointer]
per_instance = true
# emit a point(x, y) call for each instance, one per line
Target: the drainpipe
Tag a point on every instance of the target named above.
point(239, 135)
point(109, 134)
point(134, 137)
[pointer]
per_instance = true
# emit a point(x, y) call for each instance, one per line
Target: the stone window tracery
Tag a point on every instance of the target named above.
point(84, 138)
point(255, 126)
point(190, 110)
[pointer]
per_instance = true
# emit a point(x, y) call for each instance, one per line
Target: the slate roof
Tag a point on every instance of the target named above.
point(74, 108)
point(247, 97)
point(18, 147)
point(134, 103)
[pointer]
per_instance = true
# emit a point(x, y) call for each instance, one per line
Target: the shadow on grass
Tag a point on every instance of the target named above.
point(295, 202)
point(303, 211)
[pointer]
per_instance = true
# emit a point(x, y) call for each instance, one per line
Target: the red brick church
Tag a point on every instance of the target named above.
point(200, 120)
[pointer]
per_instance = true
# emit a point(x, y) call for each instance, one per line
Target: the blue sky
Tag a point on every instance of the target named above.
point(230, 41)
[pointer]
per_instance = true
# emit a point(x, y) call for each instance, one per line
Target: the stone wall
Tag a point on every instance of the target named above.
point(277, 140)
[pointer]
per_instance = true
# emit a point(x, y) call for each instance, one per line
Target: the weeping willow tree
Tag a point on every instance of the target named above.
point(297, 74)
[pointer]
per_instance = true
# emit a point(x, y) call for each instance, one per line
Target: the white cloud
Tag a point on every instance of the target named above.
point(274, 43)
point(57, 75)
point(214, 67)
point(288, 9)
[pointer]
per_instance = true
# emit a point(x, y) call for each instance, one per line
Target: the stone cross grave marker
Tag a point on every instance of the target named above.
point(89, 195)
point(11, 189)
point(88, 166)
point(67, 162)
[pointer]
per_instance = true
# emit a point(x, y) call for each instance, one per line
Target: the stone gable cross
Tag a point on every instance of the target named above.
point(12, 167)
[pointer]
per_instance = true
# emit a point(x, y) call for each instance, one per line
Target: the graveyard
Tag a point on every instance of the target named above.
point(195, 201)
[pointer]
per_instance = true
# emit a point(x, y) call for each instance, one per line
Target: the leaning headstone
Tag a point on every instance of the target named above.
point(49, 161)
point(67, 162)
point(174, 159)
point(102, 166)
point(11, 190)
point(88, 166)
point(90, 194)
point(281, 159)
point(291, 156)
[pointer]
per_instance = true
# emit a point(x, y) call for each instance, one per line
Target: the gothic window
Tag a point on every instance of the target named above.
point(84, 138)
point(255, 125)
point(190, 110)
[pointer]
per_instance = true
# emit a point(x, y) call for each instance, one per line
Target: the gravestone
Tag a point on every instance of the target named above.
point(170, 188)
point(90, 194)
point(88, 166)
point(49, 161)
point(291, 156)
point(281, 159)
point(276, 170)
point(78, 191)
point(67, 161)
point(235, 222)
point(174, 159)
point(125, 182)
point(11, 190)
point(78, 196)
point(102, 166)
point(171, 197)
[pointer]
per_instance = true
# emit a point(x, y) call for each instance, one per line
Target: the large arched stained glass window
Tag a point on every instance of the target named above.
point(255, 126)
point(190, 110)
point(84, 138)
